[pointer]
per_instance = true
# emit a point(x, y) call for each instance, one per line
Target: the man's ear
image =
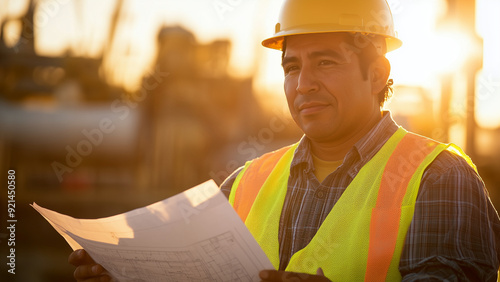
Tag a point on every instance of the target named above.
point(380, 70)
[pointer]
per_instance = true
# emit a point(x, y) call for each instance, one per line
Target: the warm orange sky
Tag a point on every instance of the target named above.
point(82, 26)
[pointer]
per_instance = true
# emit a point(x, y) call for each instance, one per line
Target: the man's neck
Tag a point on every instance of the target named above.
point(332, 150)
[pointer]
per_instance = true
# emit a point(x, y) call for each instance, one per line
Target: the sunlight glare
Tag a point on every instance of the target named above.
point(452, 48)
point(488, 80)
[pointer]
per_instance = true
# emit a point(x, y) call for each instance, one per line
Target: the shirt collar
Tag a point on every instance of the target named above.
point(363, 150)
point(371, 143)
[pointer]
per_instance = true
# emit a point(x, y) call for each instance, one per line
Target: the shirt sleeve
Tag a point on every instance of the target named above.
point(452, 234)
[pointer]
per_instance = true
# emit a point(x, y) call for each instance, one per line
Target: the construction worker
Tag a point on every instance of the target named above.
point(358, 197)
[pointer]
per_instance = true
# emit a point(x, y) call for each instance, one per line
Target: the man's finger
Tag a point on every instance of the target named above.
point(275, 275)
point(285, 276)
point(80, 257)
point(88, 274)
point(97, 279)
point(87, 271)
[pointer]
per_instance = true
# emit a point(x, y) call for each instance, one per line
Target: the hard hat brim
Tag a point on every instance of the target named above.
point(276, 42)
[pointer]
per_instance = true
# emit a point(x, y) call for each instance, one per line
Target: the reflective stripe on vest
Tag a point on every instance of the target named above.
point(261, 168)
point(363, 235)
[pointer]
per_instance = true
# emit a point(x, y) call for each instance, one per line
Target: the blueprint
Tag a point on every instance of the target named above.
point(193, 236)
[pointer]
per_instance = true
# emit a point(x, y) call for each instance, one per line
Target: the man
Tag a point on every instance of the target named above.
point(358, 198)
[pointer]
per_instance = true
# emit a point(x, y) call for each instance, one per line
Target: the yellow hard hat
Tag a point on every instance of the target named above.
point(368, 17)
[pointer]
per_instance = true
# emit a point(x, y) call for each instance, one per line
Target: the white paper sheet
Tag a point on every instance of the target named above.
point(193, 236)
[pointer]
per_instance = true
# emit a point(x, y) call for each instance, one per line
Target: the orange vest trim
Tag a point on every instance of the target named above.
point(384, 225)
point(258, 171)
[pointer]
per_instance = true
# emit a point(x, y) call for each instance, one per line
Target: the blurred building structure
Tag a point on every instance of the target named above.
point(166, 136)
point(45, 105)
point(45, 102)
point(89, 149)
point(193, 109)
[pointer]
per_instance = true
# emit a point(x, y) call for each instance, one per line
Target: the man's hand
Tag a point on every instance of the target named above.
point(285, 276)
point(87, 270)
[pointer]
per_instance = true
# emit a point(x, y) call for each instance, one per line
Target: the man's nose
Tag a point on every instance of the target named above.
point(307, 82)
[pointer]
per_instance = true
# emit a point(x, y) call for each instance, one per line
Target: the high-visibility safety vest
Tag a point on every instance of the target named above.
point(363, 235)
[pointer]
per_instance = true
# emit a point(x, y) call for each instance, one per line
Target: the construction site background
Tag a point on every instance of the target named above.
point(89, 148)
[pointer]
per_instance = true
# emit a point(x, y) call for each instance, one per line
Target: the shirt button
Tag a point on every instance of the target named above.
point(320, 194)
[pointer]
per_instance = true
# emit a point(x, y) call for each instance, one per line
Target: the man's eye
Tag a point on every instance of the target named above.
point(327, 62)
point(291, 68)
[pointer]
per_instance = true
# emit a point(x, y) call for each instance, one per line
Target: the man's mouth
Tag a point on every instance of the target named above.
point(312, 108)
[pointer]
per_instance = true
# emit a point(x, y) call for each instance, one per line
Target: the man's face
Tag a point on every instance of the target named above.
point(327, 95)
